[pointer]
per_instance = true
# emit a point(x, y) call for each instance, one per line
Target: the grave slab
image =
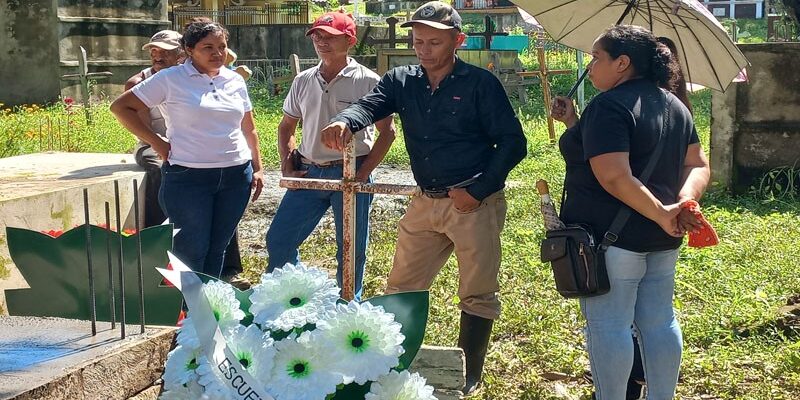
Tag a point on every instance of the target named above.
point(56, 358)
point(44, 191)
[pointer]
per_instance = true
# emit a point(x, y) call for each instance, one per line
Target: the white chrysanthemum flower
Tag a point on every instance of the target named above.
point(187, 335)
point(222, 299)
point(181, 367)
point(302, 370)
point(364, 340)
point(292, 297)
point(190, 391)
point(254, 349)
point(213, 386)
point(400, 386)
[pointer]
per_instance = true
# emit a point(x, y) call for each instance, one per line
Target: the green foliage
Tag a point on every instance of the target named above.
point(779, 184)
point(747, 30)
point(33, 128)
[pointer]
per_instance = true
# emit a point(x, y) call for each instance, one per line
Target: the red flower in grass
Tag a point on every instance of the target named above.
point(68, 102)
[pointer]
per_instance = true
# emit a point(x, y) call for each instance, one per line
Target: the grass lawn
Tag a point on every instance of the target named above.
point(727, 296)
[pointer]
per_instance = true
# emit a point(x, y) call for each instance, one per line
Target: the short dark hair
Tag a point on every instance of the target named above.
point(650, 59)
point(199, 27)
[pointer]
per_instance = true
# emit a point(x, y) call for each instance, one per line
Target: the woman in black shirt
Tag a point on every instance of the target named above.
point(605, 150)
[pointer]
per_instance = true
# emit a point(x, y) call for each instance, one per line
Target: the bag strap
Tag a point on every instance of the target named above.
point(624, 212)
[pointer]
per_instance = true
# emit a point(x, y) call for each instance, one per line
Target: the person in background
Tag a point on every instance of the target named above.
point(212, 161)
point(242, 70)
point(677, 85)
point(605, 150)
point(461, 152)
point(316, 95)
point(165, 51)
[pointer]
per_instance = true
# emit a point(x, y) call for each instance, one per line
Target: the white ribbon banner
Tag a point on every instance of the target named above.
point(241, 384)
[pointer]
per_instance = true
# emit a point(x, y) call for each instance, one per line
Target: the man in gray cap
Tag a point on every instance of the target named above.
point(463, 139)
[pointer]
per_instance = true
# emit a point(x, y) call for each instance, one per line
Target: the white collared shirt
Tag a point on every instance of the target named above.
point(203, 115)
point(316, 102)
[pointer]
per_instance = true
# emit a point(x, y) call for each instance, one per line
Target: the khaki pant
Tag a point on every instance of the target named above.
point(431, 230)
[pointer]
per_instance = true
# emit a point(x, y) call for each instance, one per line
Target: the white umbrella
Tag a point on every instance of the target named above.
point(707, 55)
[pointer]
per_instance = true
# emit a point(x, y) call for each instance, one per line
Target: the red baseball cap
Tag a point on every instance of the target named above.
point(335, 23)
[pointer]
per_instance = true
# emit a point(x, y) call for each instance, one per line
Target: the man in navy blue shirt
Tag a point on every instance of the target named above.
point(463, 139)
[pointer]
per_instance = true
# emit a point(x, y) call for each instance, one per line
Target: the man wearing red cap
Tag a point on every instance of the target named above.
point(317, 95)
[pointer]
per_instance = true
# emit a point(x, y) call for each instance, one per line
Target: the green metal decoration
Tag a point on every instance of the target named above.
point(56, 270)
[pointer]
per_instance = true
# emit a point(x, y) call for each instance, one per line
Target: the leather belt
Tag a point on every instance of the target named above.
point(442, 192)
point(328, 163)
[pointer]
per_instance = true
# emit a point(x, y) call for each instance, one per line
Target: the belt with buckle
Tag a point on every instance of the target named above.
point(436, 193)
point(440, 193)
point(327, 163)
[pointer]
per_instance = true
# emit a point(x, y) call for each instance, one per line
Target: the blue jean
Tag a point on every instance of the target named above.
point(206, 204)
point(642, 286)
point(299, 213)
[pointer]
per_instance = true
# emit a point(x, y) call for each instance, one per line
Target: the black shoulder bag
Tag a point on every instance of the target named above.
point(578, 261)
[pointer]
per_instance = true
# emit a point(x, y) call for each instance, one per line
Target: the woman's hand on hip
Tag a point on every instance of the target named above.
point(257, 184)
point(162, 148)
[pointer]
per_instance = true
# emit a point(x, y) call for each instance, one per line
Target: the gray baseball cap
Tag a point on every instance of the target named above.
point(166, 39)
point(437, 15)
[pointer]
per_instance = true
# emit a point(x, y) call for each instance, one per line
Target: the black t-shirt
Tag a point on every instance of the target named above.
point(628, 119)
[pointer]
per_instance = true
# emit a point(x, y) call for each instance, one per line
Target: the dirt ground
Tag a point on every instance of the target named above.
point(256, 220)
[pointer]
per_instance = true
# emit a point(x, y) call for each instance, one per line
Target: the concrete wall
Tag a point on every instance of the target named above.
point(29, 50)
point(41, 39)
point(756, 125)
point(112, 32)
point(279, 41)
point(44, 191)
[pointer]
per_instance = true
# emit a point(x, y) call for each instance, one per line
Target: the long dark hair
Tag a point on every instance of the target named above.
point(199, 27)
point(678, 87)
point(650, 60)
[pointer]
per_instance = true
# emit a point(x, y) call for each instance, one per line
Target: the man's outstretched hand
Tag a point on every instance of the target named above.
point(335, 135)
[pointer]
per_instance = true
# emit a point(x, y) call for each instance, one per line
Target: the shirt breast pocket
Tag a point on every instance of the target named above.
point(341, 104)
point(453, 114)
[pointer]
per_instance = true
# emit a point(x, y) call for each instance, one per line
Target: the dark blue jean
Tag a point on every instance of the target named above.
point(299, 213)
point(206, 204)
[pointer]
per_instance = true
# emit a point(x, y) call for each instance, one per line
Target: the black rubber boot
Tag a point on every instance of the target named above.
point(473, 338)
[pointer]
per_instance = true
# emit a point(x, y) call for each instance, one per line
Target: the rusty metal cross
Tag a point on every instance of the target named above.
point(543, 74)
point(349, 188)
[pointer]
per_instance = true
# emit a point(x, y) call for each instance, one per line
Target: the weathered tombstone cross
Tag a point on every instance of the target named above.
point(349, 188)
point(543, 74)
point(488, 32)
point(393, 40)
point(84, 76)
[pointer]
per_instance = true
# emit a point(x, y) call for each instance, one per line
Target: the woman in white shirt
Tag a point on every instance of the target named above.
point(211, 151)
